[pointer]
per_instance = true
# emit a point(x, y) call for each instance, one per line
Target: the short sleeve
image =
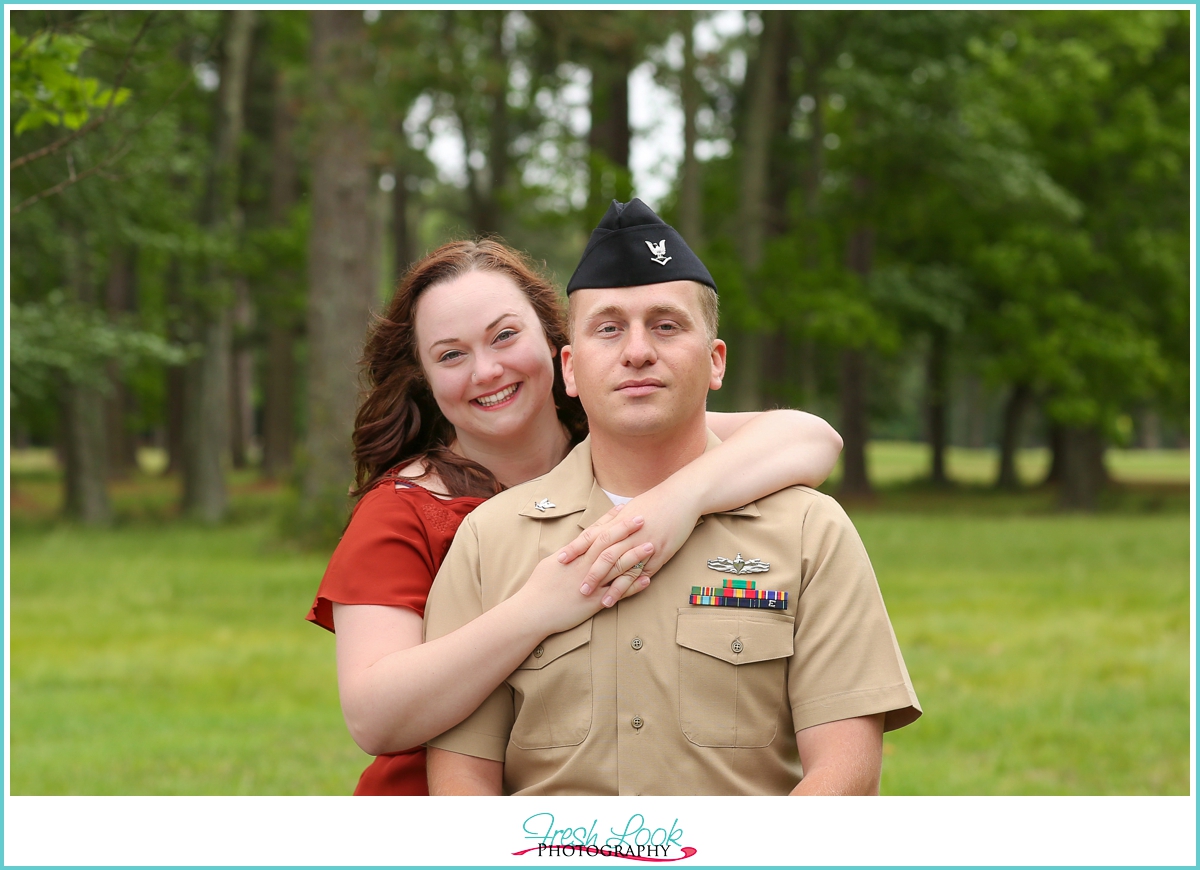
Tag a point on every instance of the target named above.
point(846, 661)
point(390, 552)
point(456, 599)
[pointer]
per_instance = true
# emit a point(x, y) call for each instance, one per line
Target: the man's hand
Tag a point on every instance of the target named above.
point(453, 774)
point(841, 758)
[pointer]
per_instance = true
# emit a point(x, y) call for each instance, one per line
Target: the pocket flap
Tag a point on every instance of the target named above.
point(737, 638)
point(557, 645)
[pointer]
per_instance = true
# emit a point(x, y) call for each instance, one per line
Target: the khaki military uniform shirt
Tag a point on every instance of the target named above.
point(657, 695)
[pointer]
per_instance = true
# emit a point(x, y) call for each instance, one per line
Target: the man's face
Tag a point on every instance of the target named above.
point(640, 361)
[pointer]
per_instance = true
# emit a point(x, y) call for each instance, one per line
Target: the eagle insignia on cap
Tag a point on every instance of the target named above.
point(739, 565)
point(659, 251)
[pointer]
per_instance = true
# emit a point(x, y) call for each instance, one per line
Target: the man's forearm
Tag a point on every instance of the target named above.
point(844, 757)
point(453, 774)
point(837, 782)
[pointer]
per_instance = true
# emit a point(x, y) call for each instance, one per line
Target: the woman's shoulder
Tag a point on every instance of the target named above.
point(416, 475)
point(401, 511)
point(410, 489)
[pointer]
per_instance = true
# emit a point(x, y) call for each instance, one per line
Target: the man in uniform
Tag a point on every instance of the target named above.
point(760, 660)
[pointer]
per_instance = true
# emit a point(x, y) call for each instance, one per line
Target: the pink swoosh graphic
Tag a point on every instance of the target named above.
point(688, 851)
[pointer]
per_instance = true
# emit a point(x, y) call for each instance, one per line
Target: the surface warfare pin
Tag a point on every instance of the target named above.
point(738, 565)
point(544, 505)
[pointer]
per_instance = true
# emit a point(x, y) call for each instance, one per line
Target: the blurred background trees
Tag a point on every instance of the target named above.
point(964, 228)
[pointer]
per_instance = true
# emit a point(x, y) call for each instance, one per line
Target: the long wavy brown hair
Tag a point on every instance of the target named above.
point(399, 421)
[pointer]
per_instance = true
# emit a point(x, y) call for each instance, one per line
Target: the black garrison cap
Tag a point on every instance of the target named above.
point(633, 246)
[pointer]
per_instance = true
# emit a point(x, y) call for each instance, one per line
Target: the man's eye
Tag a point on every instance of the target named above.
point(607, 329)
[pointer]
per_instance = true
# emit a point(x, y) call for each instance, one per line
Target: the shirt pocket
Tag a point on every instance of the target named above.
point(552, 691)
point(732, 675)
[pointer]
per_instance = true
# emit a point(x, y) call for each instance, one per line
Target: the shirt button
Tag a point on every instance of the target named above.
point(736, 646)
point(537, 653)
point(637, 722)
point(636, 643)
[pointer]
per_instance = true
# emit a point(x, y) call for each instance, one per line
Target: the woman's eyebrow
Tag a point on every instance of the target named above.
point(485, 329)
point(501, 317)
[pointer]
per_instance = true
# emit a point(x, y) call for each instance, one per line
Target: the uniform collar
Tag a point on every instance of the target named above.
point(571, 488)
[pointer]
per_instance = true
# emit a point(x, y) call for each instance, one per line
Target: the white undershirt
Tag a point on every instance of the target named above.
point(619, 499)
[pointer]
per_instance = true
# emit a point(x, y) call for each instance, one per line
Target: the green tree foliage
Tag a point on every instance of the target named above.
point(45, 84)
point(907, 197)
point(61, 341)
point(1095, 311)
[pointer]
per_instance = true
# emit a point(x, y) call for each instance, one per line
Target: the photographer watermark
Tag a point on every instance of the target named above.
point(636, 840)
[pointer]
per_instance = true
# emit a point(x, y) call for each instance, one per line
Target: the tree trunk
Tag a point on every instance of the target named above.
point(498, 127)
point(206, 421)
point(1056, 436)
point(855, 481)
point(1010, 436)
point(1083, 471)
point(608, 136)
point(279, 406)
point(777, 368)
point(761, 88)
point(691, 208)
point(241, 380)
point(118, 405)
point(176, 383)
point(935, 405)
point(1149, 429)
point(402, 245)
point(243, 435)
point(976, 419)
point(860, 252)
point(206, 391)
point(342, 270)
point(809, 383)
point(782, 166)
point(283, 324)
point(85, 496)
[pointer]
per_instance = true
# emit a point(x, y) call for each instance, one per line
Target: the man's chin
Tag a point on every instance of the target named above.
point(634, 425)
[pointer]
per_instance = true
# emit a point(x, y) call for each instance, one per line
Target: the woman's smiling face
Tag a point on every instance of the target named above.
point(485, 356)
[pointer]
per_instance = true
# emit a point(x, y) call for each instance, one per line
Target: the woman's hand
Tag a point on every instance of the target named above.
point(671, 514)
point(558, 590)
point(763, 453)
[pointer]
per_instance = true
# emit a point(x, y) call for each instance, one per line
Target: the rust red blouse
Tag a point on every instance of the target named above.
point(397, 538)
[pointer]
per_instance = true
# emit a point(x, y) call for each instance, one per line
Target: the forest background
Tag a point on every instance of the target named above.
point(961, 236)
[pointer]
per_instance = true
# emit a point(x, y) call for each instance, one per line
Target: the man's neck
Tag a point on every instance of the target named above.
point(629, 465)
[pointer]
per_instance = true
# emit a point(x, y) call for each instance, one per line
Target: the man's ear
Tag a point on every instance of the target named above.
point(718, 365)
point(568, 369)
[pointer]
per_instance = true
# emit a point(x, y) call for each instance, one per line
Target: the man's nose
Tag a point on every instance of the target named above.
point(639, 347)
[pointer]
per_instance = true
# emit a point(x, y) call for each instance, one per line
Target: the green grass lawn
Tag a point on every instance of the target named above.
point(171, 660)
point(1050, 651)
point(891, 462)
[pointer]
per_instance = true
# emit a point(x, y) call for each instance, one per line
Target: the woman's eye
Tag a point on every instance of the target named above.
point(506, 334)
point(450, 356)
